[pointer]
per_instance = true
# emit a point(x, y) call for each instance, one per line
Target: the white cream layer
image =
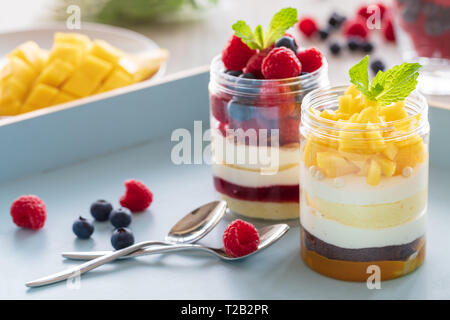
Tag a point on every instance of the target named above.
point(344, 236)
point(353, 189)
point(249, 156)
point(255, 178)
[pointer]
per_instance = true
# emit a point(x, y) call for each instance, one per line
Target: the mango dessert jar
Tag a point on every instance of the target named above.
point(364, 184)
point(255, 140)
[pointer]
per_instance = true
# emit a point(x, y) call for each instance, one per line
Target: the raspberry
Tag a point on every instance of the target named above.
point(137, 196)
point(255, 62)
point(29, 212)
point(383, 9)
point(219, 107)
point(307, 26)
point(311, 59)
point(236, 54)
point(281, 63)
point(276, 101)
point(289, 130)
point(388, 31)
point(356, 28)
point(240, 238)
point(365, 12)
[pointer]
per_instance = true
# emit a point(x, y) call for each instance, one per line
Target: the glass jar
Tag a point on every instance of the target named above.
point(423, 31)
point(363, 186)
point(255, 140)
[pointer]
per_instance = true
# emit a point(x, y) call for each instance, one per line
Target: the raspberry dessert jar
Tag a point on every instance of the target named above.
point(255, 140)
point(423, 32)
point(364, 184)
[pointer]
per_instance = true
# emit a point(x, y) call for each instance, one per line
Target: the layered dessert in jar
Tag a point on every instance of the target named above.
point(256, 91)
point(364, 175)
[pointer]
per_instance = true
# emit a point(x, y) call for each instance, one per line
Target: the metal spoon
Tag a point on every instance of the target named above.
point(268, 235)
point(190, 228)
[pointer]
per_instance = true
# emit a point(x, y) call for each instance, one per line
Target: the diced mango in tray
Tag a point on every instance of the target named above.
point(75, 67)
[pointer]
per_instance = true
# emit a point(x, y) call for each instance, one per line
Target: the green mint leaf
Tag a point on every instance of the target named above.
point(397, 83)
point(243, 31)
point(359, 76)
point(281, 21)
point(259, 35)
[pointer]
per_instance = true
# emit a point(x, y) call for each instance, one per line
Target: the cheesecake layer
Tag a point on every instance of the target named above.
point(263, 210)
point(254, 179)
point(353, 189)
point(275, 193)
point(350, 237)
point(258, 158)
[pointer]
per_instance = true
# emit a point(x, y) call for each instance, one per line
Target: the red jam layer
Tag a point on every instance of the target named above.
point(275, 193)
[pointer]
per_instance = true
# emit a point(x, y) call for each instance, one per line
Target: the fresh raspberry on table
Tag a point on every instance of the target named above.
point(289, 130)
point(311, 59)
point(356, 28)
point(137, 196)
point(308, 26)
point(240, 238)
point(388, 30)
point(219, 104)
point(365, 11)
point(236, 54)
point(281, 63)
point(29, 212)
point(383, 9)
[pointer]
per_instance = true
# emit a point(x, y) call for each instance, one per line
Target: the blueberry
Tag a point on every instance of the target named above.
point(234, 73)
point(323, 34)
point(354, 44)
point(83, 228)
point(238, 111)
point(377, 65)
point(120, 217)
point(336, 20)
point(122, 238)
point(247, 75)
point(287, 42)
point(335, 48)
point(101, 209)
point(367, 47)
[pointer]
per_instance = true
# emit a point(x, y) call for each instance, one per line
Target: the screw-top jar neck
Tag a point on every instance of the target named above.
point(250, 87)
point(327, 99)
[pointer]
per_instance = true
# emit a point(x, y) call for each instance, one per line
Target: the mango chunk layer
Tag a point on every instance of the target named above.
point(363, 143)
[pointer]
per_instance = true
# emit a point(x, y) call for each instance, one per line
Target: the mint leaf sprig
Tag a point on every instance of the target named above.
point(258, 39)
point(387, 87)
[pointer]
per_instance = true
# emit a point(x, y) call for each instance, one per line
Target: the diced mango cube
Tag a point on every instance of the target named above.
point(344, 103)
point(79, 40)
point(18, 69)
point(40, 96)
point(30, 53)
point(56, 73)
point(390, 151)
point(116, 79)
point(334, 165)
point(387, 166)
point(374, 174)
point(395, 111)
point(105, 51)
point(66, 52)
point(62, 97)
point(87, 77)
point(375, 137)
point(352, 90)
point(368, 114)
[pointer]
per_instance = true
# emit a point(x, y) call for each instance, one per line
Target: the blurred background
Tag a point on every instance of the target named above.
point(194, 31)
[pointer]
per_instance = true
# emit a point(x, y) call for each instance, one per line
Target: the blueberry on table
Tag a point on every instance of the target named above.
point(323, 34)
point(122, 238)
point(367, 47)
point(234, 73)
point(101, 209)
point(83, 228)
point(287, 42)
point(238, 111)
point(335, 48)
point(377, 65)
point(354, 44)
point(336, 20)
point(120, 217)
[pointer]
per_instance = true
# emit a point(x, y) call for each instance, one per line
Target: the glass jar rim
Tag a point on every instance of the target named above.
point(227, 81)
point(415, 102)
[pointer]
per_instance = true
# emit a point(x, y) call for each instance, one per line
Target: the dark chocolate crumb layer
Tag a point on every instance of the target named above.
point(389, 253)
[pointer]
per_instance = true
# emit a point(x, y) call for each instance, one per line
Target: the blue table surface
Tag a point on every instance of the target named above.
point(277, 273)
